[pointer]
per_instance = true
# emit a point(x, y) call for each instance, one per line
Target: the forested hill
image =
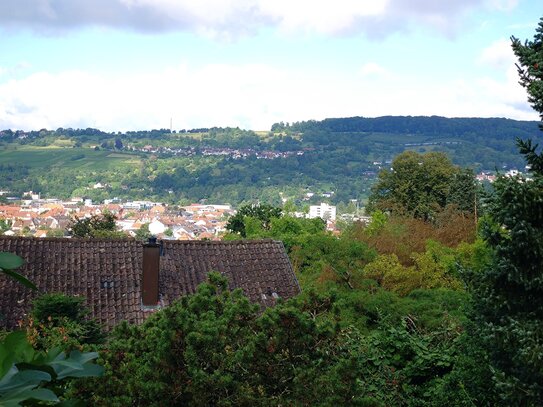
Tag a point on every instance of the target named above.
point(479, 143)
point(232, 165)
point(434, 126)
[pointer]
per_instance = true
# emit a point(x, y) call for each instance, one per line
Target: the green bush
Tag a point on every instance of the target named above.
point(56, 306)
point(61, 320)
point(216, 348)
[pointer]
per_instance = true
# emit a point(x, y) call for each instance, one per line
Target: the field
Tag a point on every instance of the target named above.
point(69, 158)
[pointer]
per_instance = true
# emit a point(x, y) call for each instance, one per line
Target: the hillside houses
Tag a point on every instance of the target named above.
point(235, 153)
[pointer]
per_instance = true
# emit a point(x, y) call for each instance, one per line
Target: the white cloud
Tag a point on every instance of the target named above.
point(250, 96)
point(503, 5)
point(498, 55)
point(373, 69)
point(10, 70)
point(214, 95)
point(320, 16)
point(502, 89)
point(508, 93)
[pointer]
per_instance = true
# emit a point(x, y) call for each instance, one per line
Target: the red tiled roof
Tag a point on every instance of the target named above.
point(11, 211)
point(108, 273)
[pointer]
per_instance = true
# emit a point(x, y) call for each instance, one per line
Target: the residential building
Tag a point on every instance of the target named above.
point(323, 211)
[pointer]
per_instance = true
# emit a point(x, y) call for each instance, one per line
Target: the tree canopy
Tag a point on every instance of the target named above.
point(420, 185)
point(97, 226)
point(264, 213)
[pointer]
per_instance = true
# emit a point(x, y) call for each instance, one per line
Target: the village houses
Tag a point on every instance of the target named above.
point(51, 217)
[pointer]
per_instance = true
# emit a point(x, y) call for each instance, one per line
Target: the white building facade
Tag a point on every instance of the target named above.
point(323, 211)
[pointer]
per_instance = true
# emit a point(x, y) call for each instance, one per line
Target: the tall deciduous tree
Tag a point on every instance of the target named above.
point(118, 144)
point(418, 185)
point(263, 212)
point(97, 226)
point(463, 189)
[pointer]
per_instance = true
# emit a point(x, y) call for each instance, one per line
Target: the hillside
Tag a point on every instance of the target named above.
point(341, 155)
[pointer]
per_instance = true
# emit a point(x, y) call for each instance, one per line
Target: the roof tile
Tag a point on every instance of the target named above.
point(108, 273)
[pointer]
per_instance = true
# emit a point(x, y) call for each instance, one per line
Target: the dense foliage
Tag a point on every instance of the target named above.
point(508, 294)
point(261, 212)
point(215, 348)
point(96, 226)
point(59, 320)
point(420, 185)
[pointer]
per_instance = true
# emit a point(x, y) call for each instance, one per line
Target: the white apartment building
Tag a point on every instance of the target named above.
point(323, 211)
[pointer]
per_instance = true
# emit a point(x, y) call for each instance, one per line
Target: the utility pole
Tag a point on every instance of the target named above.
point(475, 208)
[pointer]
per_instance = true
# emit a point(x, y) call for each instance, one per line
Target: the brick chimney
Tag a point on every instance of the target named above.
point(149, 281)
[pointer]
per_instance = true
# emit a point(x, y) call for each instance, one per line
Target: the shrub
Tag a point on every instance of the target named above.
point(61, 320)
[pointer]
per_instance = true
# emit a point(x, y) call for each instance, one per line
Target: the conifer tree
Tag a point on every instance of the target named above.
point(530, 67)
point(508, 295)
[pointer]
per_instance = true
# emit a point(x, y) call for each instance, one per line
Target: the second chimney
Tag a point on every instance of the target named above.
point(151, 265)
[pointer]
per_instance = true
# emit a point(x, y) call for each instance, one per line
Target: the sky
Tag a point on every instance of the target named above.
point(120, 65)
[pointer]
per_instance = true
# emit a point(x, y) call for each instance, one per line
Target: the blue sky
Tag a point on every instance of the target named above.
point(135, 64)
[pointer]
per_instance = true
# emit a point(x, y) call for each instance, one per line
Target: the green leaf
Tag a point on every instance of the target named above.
point(14, 397)
point(16, 379)
point(76, 365)
point(54, 354)
point(89, 370)
point(10, 261)
point(16, 348)
point(83, 357)
point(12, 371)
point(67, 364)
point(6, 361)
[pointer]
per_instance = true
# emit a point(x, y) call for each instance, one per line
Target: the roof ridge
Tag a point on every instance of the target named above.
point(68, 239)
point(221, 242)
point(131, 239)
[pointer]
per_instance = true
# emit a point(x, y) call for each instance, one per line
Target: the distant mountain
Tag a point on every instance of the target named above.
point(435, 126)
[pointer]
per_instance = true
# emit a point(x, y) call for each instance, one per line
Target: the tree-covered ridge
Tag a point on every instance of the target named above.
point(436, 126)
point(481, 143)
